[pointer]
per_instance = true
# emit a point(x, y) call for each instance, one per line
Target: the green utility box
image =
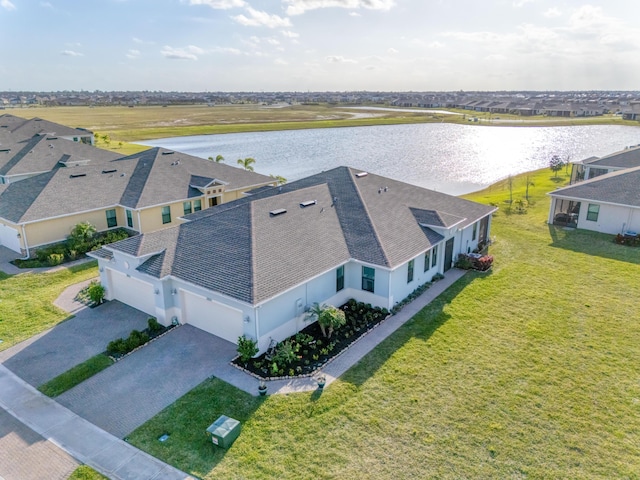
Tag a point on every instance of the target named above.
point(224, 431)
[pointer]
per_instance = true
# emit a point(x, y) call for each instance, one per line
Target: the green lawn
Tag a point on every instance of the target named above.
point(530, 371)
point(26, 301)
point(76, 375)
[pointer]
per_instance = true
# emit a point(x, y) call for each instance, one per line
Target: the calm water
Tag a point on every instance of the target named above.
point(450, 158)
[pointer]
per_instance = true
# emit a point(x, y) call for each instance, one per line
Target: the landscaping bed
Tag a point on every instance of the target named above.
point(121, 347)
point(308, 350)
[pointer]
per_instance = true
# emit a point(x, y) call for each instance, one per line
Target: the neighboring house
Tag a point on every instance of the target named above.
point(143, 192)
point(22, 129)
point(595, 166)
point(254, 266)
point(608, 203)
point(42, 153)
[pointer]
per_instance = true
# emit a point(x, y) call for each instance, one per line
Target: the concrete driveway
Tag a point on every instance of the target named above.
point(127, 394)
point(71, 342)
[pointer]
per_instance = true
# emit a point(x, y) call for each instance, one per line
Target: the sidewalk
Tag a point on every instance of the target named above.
point(84, 441)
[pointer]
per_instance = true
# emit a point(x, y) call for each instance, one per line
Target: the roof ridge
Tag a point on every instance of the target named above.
point(252, 253)
point(29, 145)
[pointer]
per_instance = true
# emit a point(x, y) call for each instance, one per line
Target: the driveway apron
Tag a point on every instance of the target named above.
point(127, 394)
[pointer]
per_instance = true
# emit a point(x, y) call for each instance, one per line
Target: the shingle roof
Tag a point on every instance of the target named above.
point(621, 187)
point(242, 250)
point(628, 158)
point(23, 129)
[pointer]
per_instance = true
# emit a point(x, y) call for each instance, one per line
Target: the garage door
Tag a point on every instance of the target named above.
point(211, 316)
point(133, 292)
point(9, 238)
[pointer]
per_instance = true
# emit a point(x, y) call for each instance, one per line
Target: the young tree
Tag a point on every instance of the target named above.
point(218, 159)
point(556, 164)
point(80, 237)
point(330, 319)
point(280, 180)
point(529, 184)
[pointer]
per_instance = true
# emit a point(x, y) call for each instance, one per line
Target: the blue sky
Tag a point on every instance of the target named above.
point(312, 45)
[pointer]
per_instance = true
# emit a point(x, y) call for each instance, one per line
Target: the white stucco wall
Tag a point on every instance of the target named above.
point(612, 219)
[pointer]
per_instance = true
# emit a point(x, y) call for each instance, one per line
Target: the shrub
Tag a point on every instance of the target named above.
point(330, 319)
point(117, 346)
point(286, 353)
point(136, 338)
point(55, 259)
point(464, 262)
point(154, 326)
point(247, 348)
point(80, 237)
point(96, 292)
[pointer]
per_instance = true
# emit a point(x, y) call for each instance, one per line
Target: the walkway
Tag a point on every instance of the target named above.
point(84, 441)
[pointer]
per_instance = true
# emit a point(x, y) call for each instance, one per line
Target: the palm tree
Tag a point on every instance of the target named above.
point(247, 163)
point(280, 180)
point(218, 159)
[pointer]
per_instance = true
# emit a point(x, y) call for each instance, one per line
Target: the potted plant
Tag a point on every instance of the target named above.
point(321, 381)
point(262, 388)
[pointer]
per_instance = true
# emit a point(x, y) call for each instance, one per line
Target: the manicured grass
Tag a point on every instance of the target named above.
point(26, 306)
point(75, 375)
point(529, 371)
point(85, 472)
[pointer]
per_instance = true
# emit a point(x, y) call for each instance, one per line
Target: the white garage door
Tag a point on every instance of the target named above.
point(211, 316)
point(133, 292)
point(9, 238)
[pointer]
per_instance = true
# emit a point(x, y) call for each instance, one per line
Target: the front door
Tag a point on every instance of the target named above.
point(448, 254)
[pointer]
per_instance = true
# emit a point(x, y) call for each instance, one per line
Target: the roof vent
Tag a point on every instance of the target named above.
point(110, 171)
point(168, 153)
point(5, 149)
point(280, 211)
point(308, 203)
point(122, 174)
point(76, 175)
point(362, 174)
point(52, 138)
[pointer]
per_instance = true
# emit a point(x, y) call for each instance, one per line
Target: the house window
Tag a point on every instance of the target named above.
point(368, 279)
point(129, 219)
point(410, 271)
point(592, 212)
point(197, 205)
point(166, 214)
point(427, 260)
point(340, 278)
point(112, 221)
point(187, 207)
point(434, 257)
point(475, 231)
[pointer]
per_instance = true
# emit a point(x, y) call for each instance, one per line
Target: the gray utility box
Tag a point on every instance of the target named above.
point(224, 431)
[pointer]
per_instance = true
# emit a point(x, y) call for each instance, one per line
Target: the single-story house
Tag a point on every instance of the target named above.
point(608, 203)
point(142, 192)
point(254, 266)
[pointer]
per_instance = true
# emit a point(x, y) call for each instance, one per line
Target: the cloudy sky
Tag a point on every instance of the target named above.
point(312, 45)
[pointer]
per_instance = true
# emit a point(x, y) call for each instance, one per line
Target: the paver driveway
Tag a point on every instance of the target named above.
point(127, 394)
point(71, 342)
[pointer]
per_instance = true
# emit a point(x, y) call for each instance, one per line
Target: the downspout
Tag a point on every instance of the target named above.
point(257, 322)
point(26, 244)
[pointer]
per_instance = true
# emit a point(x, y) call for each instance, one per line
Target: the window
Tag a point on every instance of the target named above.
point(592, 212)
point(475, 231)
point(197, 205)
point(434, 257)
point(368, 279)
point(427, 260)
point(112, 221)
point(129, 219)
point(340, 278)
point(166, 214)
point(187, 207)
point(410, 271)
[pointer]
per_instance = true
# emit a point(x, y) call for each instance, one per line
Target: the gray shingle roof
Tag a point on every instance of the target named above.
point(621, 188)
point(628, 158)
point(23, 129)
point(241, 250)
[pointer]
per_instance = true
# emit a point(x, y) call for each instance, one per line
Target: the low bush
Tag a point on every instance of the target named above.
point(96, 292)
point(55, 259)
point(154, 326)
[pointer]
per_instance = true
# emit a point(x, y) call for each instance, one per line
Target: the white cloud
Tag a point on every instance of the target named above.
point(71, 53)
point(280, 61)
point(496, 57)
point(339, 59)
point(229, 50)
point(435, 44)
point(298, 7)
point(521, 3)
point(219, 4)
point(142, 42)
point(272, 41)
point(46, 5)
point(392, 51)
point(290, 34)
point(7, 5)
point(552, 13)
point(257, 18)
point(133, 54)
point(188, 53)
point(354, 14)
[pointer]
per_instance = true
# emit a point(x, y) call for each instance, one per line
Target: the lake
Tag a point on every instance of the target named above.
point(450, 158)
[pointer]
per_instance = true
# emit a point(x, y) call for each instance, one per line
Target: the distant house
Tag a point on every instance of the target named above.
point(254, 266)
point(143, 192)
point(595, 166)
point(608, 203)
point(22, 129)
